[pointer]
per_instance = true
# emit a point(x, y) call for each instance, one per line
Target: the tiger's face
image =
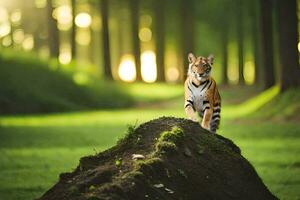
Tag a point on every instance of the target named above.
point(200, 67)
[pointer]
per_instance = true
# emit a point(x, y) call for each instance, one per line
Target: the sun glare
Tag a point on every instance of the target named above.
point(18, 36)
point(249, 72)
point(83, 20)
point(4, 22)
point(6, 41)
point(16, 17)
point(4, 29)
point(63, 14)
point(127, 69)
point(28, 42)
point(171, 61)
point(232, 71)
point(149, 71)
point(65, 56)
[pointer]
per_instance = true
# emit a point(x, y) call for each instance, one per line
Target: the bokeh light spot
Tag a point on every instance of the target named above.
point(16, 17)
point(65, 56)
point(18, 36)
point(149, 71)
point(249, 72)
point(83, 20)
point(64, 17)
point(145, 21)
point(127, 70)
point(83, 37)
point(145, 34)
point(4, 29)
point(28, 42)
point(6, 41)
point(173, 74)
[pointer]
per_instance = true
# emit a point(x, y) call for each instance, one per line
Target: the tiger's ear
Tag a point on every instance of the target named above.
point(191, 58)
point(210, 59)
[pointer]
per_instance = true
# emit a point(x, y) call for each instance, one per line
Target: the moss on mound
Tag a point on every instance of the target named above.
point(166, 158)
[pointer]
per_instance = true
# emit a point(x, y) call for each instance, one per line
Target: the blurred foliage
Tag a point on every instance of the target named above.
point(29, 85)
point(283, 107)
point(251, 105)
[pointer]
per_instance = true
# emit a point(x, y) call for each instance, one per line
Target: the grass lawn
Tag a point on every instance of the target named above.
point(35, 149)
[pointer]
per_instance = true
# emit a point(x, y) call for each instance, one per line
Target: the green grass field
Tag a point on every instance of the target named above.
point(35, 149)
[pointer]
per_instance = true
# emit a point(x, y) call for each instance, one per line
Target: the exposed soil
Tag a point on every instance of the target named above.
point(182, 161)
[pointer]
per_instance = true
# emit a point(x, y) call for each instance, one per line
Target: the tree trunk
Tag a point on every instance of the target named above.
point(11, 34)
point(288, 41)
point(256, 43)
point(187, 32)
point(120, 29)
point(53, 34)
point(134, 11)
point(105, 40)
point(267, 43)
point(240, 38)
point(224, 38)
point(73, 31)
point(160, 39)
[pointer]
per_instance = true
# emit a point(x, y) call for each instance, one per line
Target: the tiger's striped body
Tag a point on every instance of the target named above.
point(201, 93)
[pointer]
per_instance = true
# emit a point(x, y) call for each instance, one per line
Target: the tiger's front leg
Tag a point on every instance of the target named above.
point(190, 113)
point(207, 118)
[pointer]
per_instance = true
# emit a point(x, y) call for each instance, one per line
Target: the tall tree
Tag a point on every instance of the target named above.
point(240, 39)
point(160, 39)
point(224, 28)
point(53, 34)
point(73, 31)
point(134, 11)
point(256, 41)
point(225, 40)
point(12, 29)
point(105, 40)
point(288, 41)
point(187, 31)
point(267, 43)
point(123, 23)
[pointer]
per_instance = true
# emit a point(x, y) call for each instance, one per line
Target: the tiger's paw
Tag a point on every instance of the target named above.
point(194, 119)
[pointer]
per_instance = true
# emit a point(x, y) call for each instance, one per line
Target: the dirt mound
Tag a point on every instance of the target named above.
point(166, 158)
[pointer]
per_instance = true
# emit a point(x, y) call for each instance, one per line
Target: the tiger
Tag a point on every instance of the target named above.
point(201, 93)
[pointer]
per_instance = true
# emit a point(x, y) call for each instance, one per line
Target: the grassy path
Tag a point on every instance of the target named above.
point(35, 149)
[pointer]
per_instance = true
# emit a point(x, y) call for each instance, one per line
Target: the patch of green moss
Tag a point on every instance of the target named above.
point(150, 161)
point(174, 135)
point(168, 140)
point(164, 147)
point(118, 162)
point(92, 187)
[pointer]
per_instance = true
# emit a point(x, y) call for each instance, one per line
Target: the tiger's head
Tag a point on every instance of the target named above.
point(200, 67)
